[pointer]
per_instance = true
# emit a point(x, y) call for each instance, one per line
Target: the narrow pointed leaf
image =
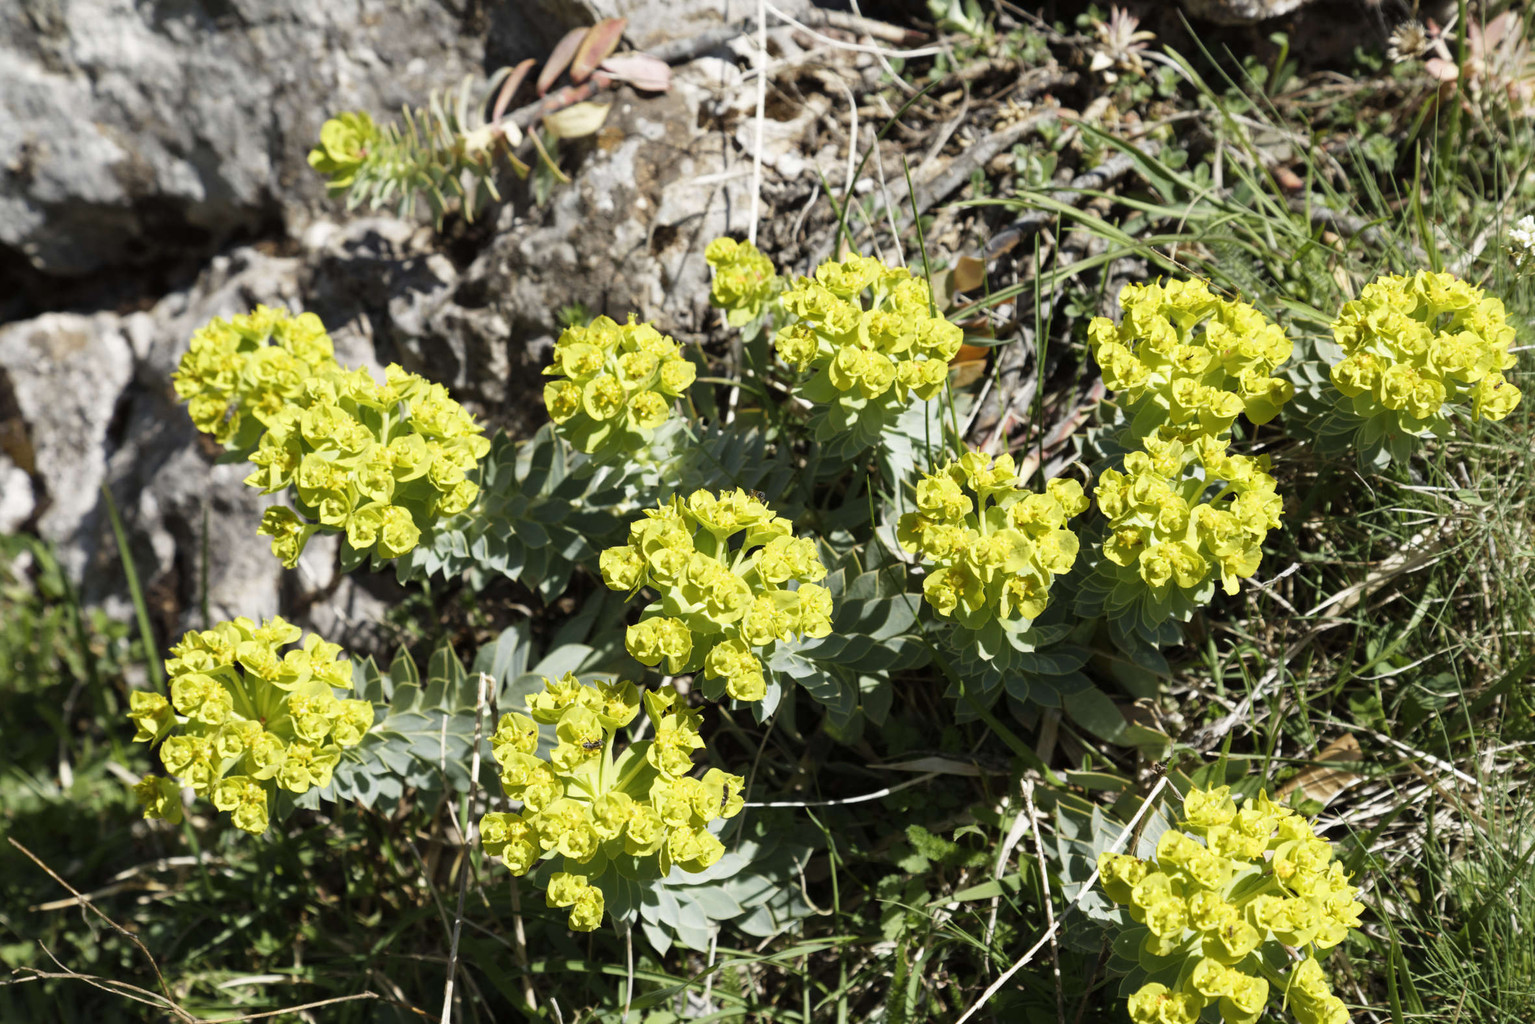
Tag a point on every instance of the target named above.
point(564, 50)
point(640, 70)
point(509, 89)
point(599, 43)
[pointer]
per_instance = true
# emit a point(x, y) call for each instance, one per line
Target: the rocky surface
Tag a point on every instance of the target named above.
point(133, 133)
point(136, 133)
point(1241, 12)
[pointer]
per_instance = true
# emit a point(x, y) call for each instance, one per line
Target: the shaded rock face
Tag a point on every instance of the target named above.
point(135, 132)
point(191, 130)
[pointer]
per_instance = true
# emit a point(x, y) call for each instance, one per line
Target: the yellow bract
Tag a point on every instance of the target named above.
point(1413, 344)
point(589, 806)
point(871, 339)
point(720, 600)
point(244, 718)
point(1261, 875)
point(1200, 359)
point(744, 280)
point(617, 383)
point(1161, 525)
point(994, 548)
point(378, 462)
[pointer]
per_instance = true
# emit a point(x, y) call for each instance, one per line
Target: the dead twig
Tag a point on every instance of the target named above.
point(1095, 180)
point(86, 902)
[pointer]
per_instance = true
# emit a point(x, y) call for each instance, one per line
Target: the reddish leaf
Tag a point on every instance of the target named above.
point(509, 88)
point(599, 43)
point(563, 51)
point(640, 70)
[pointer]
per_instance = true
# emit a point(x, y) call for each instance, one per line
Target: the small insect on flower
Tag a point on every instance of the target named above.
point(592, 745)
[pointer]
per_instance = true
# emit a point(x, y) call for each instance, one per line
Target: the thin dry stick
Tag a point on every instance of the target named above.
point(1023, 961)
point(751, 232)
point(86, 901)
point(1044, 884)
point(629, 966)
point(714, 941)
point(140, 995)
point(922, 51)
point(520, 948)
point(117, 988)
point(863, 798)
point(895, 231)
point(884, 62)
point(296, 1009)
point(1004, 853)
point(463, 868)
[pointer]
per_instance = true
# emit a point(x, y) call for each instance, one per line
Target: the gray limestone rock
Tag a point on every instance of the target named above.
point(130, 132)
point(1241, 12)
point(135, 131)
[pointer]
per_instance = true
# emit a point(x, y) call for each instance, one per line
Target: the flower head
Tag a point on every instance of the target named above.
point(346, 142)
point(1167, 533)
point(871, 341)
point(744, 280)
point(615, 384)
point(1521, 244)
point(1408, 41)
point(994, 548)
point(1199, 359)
point(1260, 876)
point(591, 804)
point(378, 463)
point(732, 580)
point(1413, 345)
point(245, 716)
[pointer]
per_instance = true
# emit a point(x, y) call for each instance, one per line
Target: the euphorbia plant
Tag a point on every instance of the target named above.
point(598, 808)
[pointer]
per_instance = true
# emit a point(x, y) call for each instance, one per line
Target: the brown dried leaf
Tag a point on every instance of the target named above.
point(644, 72)
point(563, 51)
point(969, 363)
point(1320, 783)
point(969, 274)
point(599, 44)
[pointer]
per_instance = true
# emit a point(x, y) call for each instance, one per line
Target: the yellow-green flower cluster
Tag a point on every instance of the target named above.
point(618, 383)
point(995, 548)
point(869, 335)
point(1163, 527)
point(379, 462)
point(346, 142)
point(244, 717)
point(1260, 876)
point(744, 280)
point(240, 373)
point(723, 597)
point(591, 807)
point(1413, 344)
point(1200, 359)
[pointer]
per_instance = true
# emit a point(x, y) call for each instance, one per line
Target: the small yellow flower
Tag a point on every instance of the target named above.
point(244, 719)
point(1290, 890)
point(994, 548)
point(720, 607)
point(618, 384)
